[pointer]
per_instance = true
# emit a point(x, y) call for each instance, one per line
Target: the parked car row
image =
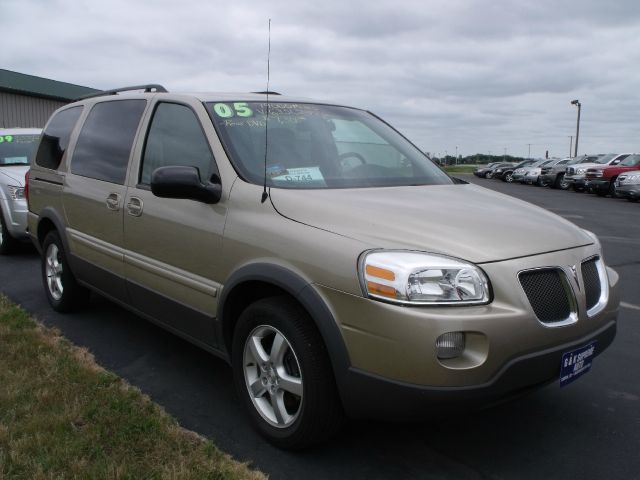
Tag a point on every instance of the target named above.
point(616, 175)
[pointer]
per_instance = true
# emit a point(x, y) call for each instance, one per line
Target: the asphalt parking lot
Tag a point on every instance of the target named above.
point(590, 429)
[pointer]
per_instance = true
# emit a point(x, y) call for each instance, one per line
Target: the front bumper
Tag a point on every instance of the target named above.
point(371, 396)
point(597, 184)
point(577, 181)
point(628, 191)
point(392, 350)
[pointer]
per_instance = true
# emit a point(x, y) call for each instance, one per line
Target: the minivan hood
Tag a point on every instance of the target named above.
point(15, 174)
point(464, 221)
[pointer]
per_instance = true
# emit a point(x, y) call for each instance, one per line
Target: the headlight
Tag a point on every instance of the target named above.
point(16, 193)
point(580, 171)
point(417, 278)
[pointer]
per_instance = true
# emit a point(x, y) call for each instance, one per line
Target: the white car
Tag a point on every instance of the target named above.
point(628, 185)
point(17, 145)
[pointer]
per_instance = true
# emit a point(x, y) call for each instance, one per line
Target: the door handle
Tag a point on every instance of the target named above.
point(113, 202)
point(134, 207)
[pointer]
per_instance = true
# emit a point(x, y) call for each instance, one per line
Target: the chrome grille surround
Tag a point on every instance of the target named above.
point(550, 295)
point(588, 280)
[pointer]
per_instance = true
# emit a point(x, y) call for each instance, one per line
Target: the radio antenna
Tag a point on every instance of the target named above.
point(265, 195)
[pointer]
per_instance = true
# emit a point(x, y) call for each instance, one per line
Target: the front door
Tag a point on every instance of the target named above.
point(172, 246)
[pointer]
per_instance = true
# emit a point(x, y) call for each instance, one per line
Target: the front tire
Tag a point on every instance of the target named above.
point(508, 177)
point(283, 375)
point(63, 291)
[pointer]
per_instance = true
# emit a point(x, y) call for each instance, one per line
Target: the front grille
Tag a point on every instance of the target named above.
point(545, 289)
point(591, 279)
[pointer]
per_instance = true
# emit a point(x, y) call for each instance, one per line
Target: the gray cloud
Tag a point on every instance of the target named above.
point(480, 75)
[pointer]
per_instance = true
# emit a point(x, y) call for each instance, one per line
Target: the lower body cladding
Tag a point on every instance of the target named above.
point(631, 192)
point(504, 350)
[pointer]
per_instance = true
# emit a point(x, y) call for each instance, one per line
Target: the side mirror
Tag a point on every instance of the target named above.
point(184, 182)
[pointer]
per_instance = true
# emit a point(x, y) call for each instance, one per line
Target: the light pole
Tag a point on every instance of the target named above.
point(456, 154)
point(570, 144)
point(504, 157)
point(529, 156)
point(579, 105)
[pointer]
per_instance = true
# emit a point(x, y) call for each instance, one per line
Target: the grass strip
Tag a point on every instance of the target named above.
point(460, 169)
point(63, 416)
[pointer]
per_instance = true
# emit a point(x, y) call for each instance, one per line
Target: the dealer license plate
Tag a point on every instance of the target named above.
point(576, 363)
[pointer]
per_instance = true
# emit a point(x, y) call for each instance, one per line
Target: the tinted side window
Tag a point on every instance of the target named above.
point(105, 141)
point(176, 138)
point(55, 138)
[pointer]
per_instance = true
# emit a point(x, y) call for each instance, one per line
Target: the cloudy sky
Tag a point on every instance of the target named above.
point(480, 75)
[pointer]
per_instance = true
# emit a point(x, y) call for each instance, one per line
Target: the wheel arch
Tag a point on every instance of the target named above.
point(260, 280)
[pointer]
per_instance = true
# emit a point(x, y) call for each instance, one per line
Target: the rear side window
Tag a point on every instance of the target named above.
point(176, 139)
point(55, 138)
point(105, 141)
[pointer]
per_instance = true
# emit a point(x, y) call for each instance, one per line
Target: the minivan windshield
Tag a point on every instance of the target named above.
point(17, 149)
point(318, 146)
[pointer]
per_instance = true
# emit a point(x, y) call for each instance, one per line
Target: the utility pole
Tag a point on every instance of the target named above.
point(579, 105)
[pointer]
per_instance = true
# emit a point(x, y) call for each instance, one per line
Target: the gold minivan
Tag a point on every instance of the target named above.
point(318, 251)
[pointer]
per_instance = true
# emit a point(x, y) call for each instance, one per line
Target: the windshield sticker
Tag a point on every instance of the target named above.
point(276, 171)
point(239, 109)
point(239, 114)
point(301, 175)
point(6, 138)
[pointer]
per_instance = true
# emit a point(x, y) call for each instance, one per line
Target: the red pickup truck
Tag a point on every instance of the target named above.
point(601, 180)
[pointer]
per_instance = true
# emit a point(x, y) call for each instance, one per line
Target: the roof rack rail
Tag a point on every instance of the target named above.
point(147, 89)
point(267, 93)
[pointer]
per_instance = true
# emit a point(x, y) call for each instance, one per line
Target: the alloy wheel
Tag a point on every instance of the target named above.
point(53, 270)
point(273, 376)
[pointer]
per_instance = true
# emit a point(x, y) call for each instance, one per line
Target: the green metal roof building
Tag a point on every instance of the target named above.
point(28, 101)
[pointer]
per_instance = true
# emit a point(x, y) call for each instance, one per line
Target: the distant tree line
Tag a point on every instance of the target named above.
point(476, 159)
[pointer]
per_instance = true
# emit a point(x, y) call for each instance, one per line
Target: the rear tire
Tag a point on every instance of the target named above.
point(63, 291)
point(8, 244)
point(290, 394)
